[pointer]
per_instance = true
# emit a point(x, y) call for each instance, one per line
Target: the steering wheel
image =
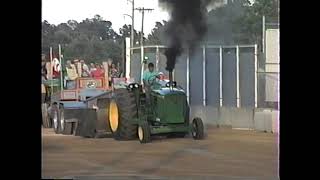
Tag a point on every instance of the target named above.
point(152, 79)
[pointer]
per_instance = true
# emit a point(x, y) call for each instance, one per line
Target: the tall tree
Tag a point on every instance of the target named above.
point(220, 22)
point(249, 25)
point(157, 35)
point(92, 39)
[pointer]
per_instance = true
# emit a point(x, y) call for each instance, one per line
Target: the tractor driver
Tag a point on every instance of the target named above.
point(148, 80)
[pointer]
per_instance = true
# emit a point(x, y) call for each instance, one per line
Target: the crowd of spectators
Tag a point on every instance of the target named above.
point(78, 68)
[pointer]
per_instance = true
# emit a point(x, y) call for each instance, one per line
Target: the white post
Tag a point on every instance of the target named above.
point(61, 70)
point(204, 74)
point(142, 64)
point(157, 58)
point(255, 76)
point(79, 67)
point(188, 85)
point(238, 78)
point(142, 48)
point(128, 57)
point(132, 30)
point(220, 62)
point(51, 71)
point(263, 33)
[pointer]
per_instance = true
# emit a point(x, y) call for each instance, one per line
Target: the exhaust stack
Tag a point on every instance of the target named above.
point(170, 78)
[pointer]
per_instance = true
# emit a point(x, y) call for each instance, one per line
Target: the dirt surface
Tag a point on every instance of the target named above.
point(223, 154)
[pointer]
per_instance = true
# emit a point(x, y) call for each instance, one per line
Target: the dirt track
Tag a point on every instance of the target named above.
point(224, 154)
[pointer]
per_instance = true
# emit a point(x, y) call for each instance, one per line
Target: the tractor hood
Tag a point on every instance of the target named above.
point(168, 91)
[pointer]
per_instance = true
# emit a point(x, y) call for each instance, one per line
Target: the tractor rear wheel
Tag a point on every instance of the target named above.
point(122, 110)
point(144, 133)
point(197, 128)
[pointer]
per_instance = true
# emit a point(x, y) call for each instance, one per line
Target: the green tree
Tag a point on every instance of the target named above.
point(221, 22)
point(157, 35)
point(249, 25)
point(92, 39)
point(48, 31)
point(125, 31)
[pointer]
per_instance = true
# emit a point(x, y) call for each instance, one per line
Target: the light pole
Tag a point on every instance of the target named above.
point(128, 15)
point(132, 33)
point(132, 26)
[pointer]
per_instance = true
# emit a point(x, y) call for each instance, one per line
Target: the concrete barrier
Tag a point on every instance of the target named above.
point(225, 117)
point(266, 120)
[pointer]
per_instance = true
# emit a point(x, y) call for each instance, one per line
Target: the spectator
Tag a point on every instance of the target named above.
point(44, 71)
point(92, 68)
point(85, 69)
point(43, 86)
point(72, 75)
point(98, 73)
point(102, 69)
point(75, 63)
point(114, 73)
point(71, 71)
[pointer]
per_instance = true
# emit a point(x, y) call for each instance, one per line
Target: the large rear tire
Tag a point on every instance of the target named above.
point(122, 110)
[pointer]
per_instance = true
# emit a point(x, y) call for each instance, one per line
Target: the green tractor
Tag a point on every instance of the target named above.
point(166, 113)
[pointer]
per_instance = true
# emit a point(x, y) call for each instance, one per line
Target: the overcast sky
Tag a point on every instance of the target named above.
point(59, 11)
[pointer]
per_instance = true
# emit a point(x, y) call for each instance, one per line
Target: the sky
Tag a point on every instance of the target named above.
point(60, 11)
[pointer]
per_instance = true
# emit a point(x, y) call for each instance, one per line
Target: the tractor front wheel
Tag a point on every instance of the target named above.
point(197, 128)
point(144, 133)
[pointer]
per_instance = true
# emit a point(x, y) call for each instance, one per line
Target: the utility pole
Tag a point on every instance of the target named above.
point(263, 33)
point(132, 28)
point(51, 73)
point(61, 69)
point(141, 38)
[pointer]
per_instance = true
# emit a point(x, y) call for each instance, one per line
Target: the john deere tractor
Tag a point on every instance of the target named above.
point(166, 113)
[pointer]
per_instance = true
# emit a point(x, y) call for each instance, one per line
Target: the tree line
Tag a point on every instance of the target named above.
point(94, 39)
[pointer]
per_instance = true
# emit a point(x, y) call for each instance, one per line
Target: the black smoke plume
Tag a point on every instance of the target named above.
point(186, 27)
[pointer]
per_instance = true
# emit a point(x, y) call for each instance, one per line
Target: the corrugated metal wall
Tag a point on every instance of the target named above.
point(246, 73)
point(213, 77)
point(229, 113)
point(229, 89)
